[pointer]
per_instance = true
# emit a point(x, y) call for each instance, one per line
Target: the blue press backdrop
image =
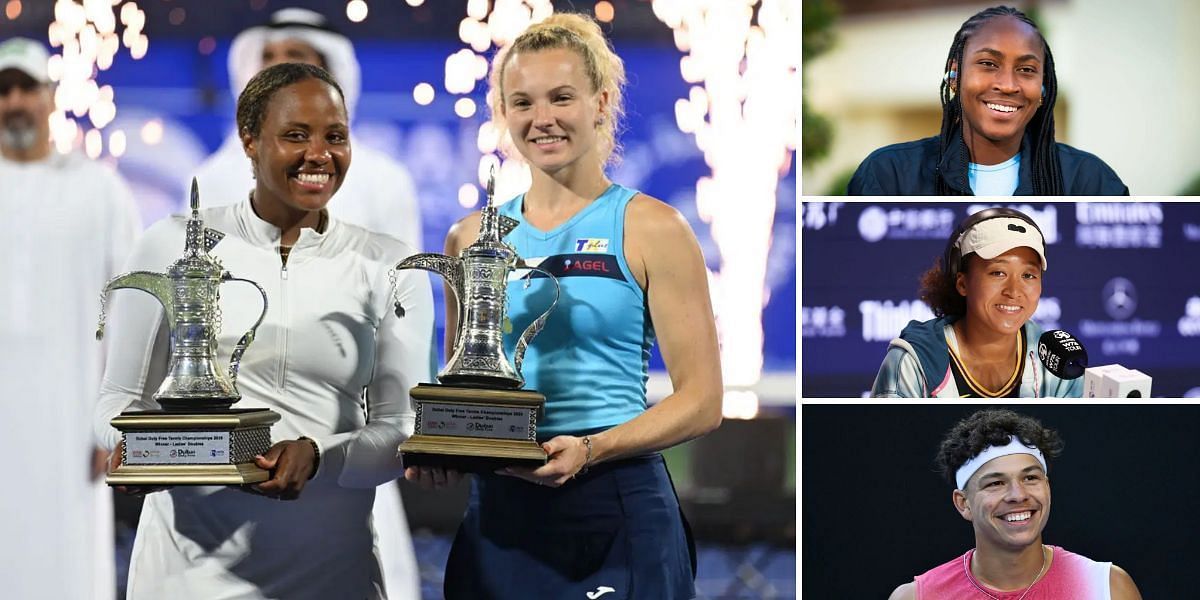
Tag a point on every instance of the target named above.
point(1122, 277)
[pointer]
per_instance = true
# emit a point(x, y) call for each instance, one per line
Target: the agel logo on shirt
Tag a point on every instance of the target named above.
point(596, 266)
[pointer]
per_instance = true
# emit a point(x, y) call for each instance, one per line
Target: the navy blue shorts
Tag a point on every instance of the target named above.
point(614, 533)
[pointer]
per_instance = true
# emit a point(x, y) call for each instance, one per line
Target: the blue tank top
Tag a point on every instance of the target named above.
point(591, 359)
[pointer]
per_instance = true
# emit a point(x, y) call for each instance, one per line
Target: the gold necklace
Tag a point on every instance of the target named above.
point(971, 578)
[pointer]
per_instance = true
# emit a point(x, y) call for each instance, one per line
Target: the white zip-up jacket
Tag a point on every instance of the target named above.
point(331, 330)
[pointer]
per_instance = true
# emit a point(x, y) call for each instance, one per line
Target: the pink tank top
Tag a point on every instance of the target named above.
point(1069, 576)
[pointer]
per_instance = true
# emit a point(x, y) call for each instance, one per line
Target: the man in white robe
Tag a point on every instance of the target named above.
point(378, 194)
point(66, 226)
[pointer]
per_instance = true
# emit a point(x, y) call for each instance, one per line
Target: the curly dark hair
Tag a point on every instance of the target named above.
point(992, 427)
point(939, 292)
point(252, 102)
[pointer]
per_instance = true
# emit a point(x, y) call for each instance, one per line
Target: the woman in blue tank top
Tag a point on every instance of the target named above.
point(600, 518)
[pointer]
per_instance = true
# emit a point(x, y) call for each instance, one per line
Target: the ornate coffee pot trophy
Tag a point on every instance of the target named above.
point(197, 438)
point(477, 418)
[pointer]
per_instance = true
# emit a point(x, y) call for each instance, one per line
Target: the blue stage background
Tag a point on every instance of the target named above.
point(1122, 277)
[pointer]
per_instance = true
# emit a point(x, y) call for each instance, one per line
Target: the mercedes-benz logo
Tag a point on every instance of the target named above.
point(1120, 298)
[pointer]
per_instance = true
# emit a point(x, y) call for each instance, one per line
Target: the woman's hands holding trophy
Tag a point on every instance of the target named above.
point(567, 456)
point(291, 464)
point(433, 478)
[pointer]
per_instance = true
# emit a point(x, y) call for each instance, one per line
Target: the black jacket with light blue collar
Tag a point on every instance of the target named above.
point(911, 169)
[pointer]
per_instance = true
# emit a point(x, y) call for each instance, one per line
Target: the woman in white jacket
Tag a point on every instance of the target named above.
point(336, 324)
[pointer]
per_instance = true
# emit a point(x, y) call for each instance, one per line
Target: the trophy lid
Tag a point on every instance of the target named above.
point(196, 261)
point(489, 224)
point(492, 225)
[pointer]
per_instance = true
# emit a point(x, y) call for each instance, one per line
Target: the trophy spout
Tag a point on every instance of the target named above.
point(449, 267)
point(155, 284)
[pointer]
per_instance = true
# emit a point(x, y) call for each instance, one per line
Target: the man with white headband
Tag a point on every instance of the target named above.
point(378, 194)
point(983, 341)
point(998, 462)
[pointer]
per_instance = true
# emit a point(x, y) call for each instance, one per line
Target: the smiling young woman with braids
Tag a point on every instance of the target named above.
point(998, 93)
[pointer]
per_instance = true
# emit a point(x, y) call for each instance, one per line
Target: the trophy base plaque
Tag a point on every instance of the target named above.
point(165, 448)
point(473, 429)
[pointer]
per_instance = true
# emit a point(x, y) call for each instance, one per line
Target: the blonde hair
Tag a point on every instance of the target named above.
point(604, 69)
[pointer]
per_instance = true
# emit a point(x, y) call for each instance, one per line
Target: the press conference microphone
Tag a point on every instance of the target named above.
point(1062, 354)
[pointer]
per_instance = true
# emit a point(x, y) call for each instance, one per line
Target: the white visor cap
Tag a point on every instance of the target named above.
point(994, 237)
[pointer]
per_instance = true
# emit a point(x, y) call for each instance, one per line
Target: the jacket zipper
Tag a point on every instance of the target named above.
point(281, 349)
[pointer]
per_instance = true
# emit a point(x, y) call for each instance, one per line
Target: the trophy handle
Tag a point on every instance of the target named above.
point(235, 361)
point(538, 323)
point(155, 284)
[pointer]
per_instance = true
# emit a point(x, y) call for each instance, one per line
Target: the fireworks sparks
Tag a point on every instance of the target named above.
point(487, 25)
point(745, 59)
point(87, 37)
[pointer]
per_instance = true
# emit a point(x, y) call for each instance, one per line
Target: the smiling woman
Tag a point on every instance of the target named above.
point(984, 291)
point(299, 149)
point(332, 330)
point(998, 94)
point(601, 515)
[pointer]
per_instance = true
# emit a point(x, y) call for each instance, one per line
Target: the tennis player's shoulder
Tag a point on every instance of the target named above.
point(907, 591)
point(652, 220)
point(1121, 585)
point(462, 233)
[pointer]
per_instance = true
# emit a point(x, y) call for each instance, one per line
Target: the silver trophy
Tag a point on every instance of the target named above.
point(478, 417)
point(197, 438)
